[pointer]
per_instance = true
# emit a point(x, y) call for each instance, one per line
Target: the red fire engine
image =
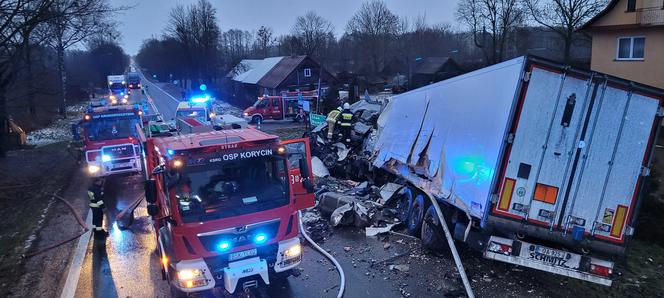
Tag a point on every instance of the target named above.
point(225, 207)
point(110, 138)
point(279, 107)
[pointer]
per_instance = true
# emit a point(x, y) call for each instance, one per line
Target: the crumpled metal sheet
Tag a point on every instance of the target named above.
point(318, 168)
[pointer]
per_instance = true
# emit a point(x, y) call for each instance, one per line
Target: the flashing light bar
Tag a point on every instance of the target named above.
point(200, 99)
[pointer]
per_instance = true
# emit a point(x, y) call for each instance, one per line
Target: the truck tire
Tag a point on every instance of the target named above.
point(256, 118)
point(416, 215)
point(175, 293)
point(404, 203)
point(431, 237)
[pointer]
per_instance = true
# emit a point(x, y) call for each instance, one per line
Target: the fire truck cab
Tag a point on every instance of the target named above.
point(225, 207)
point(110, 138)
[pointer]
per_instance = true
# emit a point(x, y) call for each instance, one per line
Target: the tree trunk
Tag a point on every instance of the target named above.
point(4, 128)
point(568, 47)
point(32, 109)
point(63, 79)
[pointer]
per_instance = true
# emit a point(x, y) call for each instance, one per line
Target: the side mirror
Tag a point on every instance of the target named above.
point(304, 168)
point(150, 191)
point(153, 210)
point(158, 170)
point(76, 136)
point(304, 173)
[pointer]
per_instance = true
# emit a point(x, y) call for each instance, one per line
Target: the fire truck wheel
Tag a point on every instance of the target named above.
point(175, 293)
point(255, 119)
point(416, 215)
point(282, 277)
point(404, 203)
point(431, 236)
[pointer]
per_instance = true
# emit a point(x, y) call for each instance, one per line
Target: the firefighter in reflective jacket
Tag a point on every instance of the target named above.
point(346, 122)
point(96, 195)
point(332, 119)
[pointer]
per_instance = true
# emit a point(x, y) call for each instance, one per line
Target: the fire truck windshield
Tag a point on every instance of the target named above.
point(216, 191)
point(116, 86)
point(103, 129)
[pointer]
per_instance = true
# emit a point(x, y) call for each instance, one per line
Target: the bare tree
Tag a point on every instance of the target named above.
point(195, 27)
point(374, 25)
point(264, 40)
point(311, 30)
point(18, 18)
point(564, 17)
point(494, 20)
point(72, 22)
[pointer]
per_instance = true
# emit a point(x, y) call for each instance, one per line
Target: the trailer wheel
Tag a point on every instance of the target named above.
point(416, 215)
point(431, 237)
point(404, 203)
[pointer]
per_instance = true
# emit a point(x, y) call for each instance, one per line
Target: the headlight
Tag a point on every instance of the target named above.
point(105, 158)
point(93, 169)
point(212, 115)
point(188, 274)
point(191, 278)
point(124, 100)
point(114, 101)
point(293, 252)
point(126, 96)
point(246, 114)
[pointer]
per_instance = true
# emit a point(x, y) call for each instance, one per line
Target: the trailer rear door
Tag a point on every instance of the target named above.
point(579, 147)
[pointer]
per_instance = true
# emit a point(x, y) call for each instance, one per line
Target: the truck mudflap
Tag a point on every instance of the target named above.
point(549, 259)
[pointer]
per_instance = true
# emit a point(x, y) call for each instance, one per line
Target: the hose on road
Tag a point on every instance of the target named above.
point(78, 218)
point(342, 278)
point(128, 210)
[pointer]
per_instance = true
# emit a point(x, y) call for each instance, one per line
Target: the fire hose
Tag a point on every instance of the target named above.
point(78, 218)
point(342, 278)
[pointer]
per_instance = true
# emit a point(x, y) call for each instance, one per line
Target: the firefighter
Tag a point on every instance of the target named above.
point(332, 119)
point(346, 122)
point(96, 196)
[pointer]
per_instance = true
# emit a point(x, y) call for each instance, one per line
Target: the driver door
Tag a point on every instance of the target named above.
point(296, 151)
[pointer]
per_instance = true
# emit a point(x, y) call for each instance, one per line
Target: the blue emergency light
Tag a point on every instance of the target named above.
point(170, 151)
point(200, 99)
point(260, 238)
point(224, 246)
point(203, 87)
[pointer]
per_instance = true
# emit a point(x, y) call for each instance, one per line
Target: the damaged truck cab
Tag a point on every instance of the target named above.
point(225, 207)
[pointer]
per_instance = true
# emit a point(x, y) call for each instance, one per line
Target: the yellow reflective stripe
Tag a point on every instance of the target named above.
point(619, 221)
point(347, 116)
point(91, 195)
point(93, 205)
point(506, 195)
point(346, 124)
point(97, 204)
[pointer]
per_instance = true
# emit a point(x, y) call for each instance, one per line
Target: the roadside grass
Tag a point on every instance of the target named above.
point(30, 176)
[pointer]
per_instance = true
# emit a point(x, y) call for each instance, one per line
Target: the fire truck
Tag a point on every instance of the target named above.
point(225, 207)
point(110, 138)
point(279, 107)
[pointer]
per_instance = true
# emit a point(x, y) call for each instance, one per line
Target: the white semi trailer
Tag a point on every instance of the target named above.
point(534, 163)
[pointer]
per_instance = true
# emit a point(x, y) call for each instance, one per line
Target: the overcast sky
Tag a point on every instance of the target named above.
point(148, 17)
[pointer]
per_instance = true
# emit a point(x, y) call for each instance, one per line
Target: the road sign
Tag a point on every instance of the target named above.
point(316, 119)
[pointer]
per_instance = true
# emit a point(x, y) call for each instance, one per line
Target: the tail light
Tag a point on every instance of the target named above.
point(500, 248)
point(601, 270)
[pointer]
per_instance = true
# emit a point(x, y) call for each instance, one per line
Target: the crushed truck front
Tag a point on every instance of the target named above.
point(225, 207)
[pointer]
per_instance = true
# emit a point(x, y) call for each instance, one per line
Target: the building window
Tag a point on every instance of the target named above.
point(307, 72)
point(631, 48)
point(631, 5)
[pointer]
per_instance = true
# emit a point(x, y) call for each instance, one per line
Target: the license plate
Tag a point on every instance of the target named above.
point(554, 257)
point(242, 254)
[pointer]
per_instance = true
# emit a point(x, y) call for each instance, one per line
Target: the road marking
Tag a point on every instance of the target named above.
point(74, 274)
point(162, 90)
